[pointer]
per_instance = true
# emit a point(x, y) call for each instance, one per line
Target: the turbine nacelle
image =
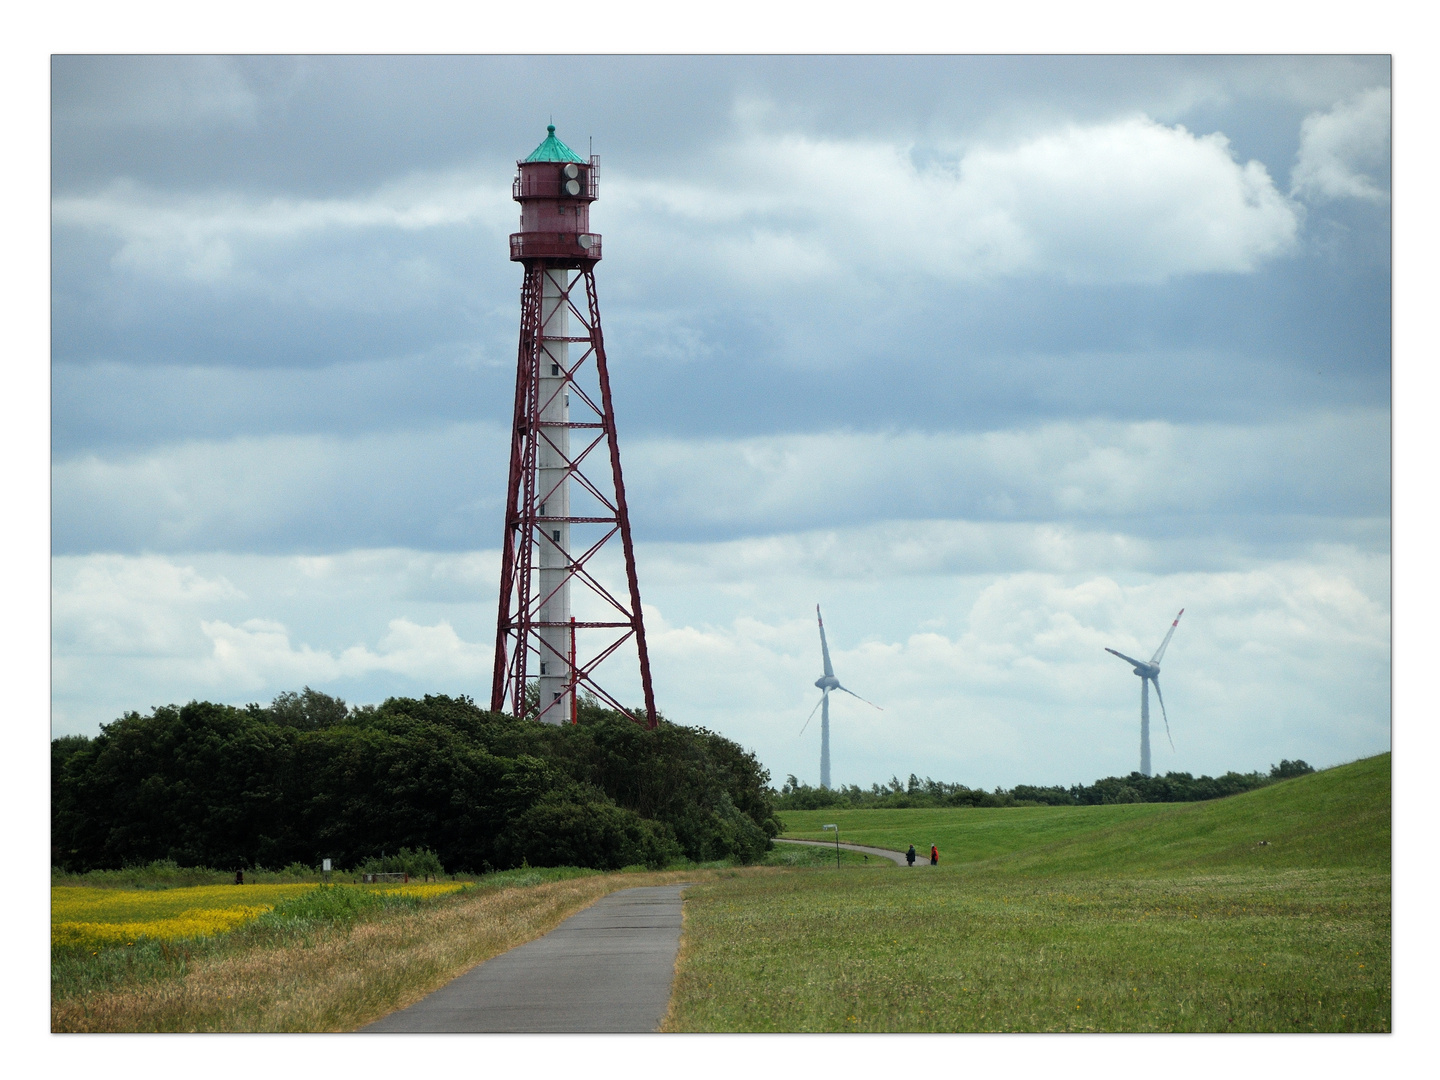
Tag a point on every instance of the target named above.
point(1142, 669)
point(827, 682)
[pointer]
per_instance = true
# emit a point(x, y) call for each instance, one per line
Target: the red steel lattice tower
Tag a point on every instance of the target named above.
point(542, 658)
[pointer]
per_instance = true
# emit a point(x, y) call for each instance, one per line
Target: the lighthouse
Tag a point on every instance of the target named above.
point(565, 500)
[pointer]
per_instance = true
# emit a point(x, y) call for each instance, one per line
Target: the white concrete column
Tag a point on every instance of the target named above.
point(552, 494)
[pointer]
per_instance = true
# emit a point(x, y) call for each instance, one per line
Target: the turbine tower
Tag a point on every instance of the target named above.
point(1150, 673)
point(557, 455)
point(826, 683)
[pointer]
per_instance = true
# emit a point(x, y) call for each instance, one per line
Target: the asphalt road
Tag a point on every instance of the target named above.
point(897, 857)
point(607, 968)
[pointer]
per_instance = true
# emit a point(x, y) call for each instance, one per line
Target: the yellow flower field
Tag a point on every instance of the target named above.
point(102, 918)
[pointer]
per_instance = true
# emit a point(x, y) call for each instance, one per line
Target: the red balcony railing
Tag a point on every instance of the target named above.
point(530, 186)
point(549, 245)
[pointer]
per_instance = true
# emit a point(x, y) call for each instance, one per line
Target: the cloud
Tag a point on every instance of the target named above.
point(133, 631)
point(113, 405)
point(133, 92)
point(1345, 153)
point(106, 604)
point(286, 492)
point(1143, 472)
point(885, 550)
point(258, 654)
point(1280, 659)
point(992, 357)
point(984, 677)
point(307, 493)
point(226, 236)
point(129, 605)
point(1130, 200)
point(338, 120)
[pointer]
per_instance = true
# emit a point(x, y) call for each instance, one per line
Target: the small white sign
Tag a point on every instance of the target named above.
point(326, 866)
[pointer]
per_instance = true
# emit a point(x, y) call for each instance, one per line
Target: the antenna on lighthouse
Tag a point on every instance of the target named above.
point(561, 507)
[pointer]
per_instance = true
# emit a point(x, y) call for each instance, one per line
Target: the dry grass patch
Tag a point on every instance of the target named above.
point(338, 978)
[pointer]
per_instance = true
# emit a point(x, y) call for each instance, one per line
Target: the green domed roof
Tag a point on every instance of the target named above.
point(552, 149)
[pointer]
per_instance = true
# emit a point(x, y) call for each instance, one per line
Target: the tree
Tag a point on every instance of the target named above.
point(309, 710)
point(1286, 769)
point(308, 778)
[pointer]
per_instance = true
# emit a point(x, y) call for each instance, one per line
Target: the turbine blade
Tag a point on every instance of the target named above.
point(1162, 708)
point(812, 715)
point(1169, 634)
point(1122, 656)
point(824, 649)
point(855, 695)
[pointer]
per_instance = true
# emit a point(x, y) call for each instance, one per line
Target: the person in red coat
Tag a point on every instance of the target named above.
point(934, 855)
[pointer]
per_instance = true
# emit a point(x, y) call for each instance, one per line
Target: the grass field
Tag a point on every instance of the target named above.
point(1337, 818)
point(1126, 918)
point(963, 834)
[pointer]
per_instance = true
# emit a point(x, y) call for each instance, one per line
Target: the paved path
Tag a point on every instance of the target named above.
point(608, 968)
point(897, 857)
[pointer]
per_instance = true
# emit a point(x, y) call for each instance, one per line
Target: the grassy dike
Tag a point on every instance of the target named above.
point(322, 974)
point(1150, 918)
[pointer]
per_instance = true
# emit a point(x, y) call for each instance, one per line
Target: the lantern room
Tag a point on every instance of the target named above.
point(555, 187)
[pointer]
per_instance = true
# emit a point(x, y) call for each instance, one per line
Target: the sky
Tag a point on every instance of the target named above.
point(1000, 360)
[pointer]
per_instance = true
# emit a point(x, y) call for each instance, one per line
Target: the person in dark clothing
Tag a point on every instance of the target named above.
point(934, 855)
point(910, 855)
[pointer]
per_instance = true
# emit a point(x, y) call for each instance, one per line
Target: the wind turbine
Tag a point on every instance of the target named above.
point(1150, 673)
point(826, 683)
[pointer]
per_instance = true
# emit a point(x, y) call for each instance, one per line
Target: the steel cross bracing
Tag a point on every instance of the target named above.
point(517, 643)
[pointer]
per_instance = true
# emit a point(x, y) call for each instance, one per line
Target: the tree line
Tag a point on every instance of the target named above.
point(309, 777)
point(1172, 787)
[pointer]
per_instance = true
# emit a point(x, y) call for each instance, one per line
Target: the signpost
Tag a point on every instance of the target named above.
point(326, 867)
point(837, 842)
